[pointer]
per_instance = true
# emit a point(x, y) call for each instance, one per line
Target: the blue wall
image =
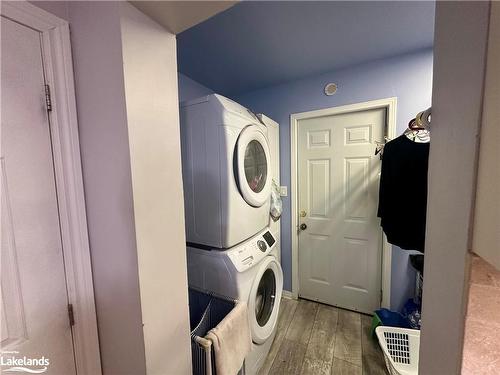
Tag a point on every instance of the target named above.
point(408, 77)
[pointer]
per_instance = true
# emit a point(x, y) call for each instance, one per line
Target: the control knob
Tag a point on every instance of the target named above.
point(261, 245)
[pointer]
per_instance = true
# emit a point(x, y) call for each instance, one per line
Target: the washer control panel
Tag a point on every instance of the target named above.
point(252, 251)
point(261, 245)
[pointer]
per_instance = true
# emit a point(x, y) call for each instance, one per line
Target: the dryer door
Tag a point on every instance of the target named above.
point(264, 300)
point(253, 166)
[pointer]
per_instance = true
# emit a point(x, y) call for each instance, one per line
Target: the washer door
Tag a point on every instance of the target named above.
point(265, 298)
point(253, 166)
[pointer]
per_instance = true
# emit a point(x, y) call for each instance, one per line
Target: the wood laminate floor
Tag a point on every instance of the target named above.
point(317, 339)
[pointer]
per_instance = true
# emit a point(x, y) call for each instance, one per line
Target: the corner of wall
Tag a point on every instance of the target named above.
point(151, 91)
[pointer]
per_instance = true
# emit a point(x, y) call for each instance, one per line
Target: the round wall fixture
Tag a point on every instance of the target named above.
point(330, 89)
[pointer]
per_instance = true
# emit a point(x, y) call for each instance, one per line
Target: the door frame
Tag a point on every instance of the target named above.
point(390, 105)
point(58, 69)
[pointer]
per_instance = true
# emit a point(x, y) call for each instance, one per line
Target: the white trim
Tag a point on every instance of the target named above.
point(390, 105)
point(287, 294)
point(67, 165)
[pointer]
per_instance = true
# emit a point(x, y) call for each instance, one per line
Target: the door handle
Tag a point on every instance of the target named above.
point(303, 226)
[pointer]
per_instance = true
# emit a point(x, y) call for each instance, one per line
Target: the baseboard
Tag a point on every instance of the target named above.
point(287, 294)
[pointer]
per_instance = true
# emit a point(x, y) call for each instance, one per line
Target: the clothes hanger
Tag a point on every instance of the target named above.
point(415, 124)
point(418, 128)
point(380, 146)
point(426, 117)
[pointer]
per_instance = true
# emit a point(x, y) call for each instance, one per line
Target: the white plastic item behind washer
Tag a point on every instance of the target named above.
point(273, 136)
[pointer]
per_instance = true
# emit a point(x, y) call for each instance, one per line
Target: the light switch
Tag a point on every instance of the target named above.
point(283, 191)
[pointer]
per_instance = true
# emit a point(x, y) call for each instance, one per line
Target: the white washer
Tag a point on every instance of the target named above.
point(226, 172)
point(246, 272)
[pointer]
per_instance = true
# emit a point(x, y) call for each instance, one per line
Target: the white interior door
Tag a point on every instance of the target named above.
point(340, 245)
point(34, 301)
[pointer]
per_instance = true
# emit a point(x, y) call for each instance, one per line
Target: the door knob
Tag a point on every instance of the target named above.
point(303, 214)
point(303, 226)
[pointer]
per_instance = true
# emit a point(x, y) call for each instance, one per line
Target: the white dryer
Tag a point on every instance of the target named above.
point(226, 171)
point(250, 273)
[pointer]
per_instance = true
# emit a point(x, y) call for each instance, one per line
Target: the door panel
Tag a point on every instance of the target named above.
point(319, 188)
point(340, 251)
point(254, 166)
point(356, 188)
point(34, 297)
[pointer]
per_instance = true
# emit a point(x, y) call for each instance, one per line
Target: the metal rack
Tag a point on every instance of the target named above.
point(206, 311)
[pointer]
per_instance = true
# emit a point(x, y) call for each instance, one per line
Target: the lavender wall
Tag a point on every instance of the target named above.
point(57, 8)
point(102, 121)
point(407, 77)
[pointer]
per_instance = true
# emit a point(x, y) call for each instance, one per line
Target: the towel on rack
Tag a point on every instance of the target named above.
point(231, 340)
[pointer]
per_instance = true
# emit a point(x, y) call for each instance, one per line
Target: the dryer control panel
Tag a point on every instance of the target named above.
point(252, 251)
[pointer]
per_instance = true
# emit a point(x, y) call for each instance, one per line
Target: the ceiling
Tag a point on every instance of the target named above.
point(177, 16)
point(259, 44)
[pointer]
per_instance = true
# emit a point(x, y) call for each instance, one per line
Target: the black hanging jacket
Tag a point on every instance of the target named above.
point(403, 192)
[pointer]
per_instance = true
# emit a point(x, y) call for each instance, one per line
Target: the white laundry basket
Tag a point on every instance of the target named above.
point(400, 347)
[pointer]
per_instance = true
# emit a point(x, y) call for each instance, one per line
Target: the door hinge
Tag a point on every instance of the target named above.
point(48, 99)
point(71, 315)
point(381, 296)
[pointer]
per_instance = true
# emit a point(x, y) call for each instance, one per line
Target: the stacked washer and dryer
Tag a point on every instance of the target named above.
point(233, 244)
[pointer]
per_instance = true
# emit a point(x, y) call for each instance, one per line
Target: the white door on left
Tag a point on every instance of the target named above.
point(34, 299)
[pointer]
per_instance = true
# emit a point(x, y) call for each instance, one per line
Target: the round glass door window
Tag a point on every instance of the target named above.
point(255, 166)
point(265, 298)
